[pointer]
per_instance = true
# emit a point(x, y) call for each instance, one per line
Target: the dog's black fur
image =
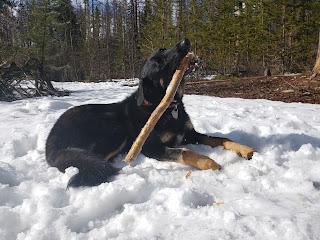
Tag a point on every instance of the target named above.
point(87, 136)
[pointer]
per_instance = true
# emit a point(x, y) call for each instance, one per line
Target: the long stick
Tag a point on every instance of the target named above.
point(160, 109)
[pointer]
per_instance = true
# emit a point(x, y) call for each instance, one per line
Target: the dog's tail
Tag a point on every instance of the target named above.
point(92, 169)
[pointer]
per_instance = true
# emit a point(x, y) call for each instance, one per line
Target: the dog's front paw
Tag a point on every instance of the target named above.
point(197, 160)
point(247, 152)
point(208, 163)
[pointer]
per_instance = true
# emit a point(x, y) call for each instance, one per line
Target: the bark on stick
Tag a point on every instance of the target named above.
point(160, 109)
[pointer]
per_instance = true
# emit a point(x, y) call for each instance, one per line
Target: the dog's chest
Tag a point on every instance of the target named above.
point(171, 138)
point(171, 129)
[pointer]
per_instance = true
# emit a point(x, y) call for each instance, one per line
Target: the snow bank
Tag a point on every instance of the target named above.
point(276, 195)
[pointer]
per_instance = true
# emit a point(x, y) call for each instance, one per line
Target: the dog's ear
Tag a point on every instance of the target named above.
point(140, 95)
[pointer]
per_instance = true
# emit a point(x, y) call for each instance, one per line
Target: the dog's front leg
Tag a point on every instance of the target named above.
point(185, 156)
point(242, 150)
point(197, 160)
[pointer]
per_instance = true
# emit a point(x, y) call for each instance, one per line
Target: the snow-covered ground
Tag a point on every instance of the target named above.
point(276, 195)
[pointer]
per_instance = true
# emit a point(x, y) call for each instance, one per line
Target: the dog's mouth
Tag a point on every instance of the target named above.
point(195, 63)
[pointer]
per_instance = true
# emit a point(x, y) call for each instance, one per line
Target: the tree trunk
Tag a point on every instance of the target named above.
point(134, 16)
point(316, 68)
point(283, 47)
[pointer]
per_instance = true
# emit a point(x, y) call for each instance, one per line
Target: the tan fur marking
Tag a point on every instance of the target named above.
point(242, 150)
point(117, 151)
point(166, 137)
point(161, 82)
point(189, 125)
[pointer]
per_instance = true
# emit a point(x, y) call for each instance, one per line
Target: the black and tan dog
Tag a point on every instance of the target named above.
point(88, 136)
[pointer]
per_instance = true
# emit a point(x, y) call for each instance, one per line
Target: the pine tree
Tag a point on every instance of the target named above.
point(147, 29)
point(182, 16)
point(118, 60)
point(197, 25)
point(41, 32)
point(106, 41)
point(225, 36)
point(8, 40)
point(156, 26)
point(68, 43)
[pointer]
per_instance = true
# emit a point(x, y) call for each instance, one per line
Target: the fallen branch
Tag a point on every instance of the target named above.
point(160, 109)
point(290, 84)
point(208, 81)
point(12, 75)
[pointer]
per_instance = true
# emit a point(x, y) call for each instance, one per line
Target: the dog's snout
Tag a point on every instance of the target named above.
point(184, 43)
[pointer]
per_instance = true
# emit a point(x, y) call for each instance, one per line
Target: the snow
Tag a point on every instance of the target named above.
point(276, 195)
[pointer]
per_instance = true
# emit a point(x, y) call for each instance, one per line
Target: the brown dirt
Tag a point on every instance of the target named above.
point(285, 88)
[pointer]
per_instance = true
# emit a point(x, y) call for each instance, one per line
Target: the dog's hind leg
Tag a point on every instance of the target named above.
point(116, 151)
point(92, 169)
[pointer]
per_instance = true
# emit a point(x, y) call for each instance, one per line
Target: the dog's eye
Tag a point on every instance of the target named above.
point(161, 49)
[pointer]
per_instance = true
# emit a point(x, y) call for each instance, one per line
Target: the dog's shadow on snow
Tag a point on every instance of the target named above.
point(289, 142)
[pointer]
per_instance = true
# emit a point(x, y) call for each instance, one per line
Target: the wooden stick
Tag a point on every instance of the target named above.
point(160, 109)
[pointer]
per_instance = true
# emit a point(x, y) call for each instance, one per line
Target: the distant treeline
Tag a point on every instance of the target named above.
point(99, 40)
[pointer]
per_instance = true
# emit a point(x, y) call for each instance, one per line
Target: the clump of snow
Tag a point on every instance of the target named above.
point(276, 195)
point(208, 77)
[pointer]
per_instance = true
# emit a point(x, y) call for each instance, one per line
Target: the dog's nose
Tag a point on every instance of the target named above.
point(184, 43)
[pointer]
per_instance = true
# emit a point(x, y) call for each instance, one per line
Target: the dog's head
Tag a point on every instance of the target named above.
point(157, 71)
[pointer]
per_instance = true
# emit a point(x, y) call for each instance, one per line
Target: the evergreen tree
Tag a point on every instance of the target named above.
point(226, 34)
point(147, 29)
point(42, 33)
point(182, 16)
point(106, 41)
point(69, 42)
point(7, 36)
point(197, 26)
point(156, 29)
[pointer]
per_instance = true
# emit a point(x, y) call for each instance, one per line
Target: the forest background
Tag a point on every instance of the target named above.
point(90, 40)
